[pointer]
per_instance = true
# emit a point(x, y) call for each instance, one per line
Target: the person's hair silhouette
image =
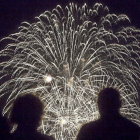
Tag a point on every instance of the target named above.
point(109, 102)
point(26, 113)
point(4, 128)
point(111, 125)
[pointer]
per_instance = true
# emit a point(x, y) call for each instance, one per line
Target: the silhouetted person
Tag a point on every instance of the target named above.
point(111, 125)
point(4, 128)
point(26, 113)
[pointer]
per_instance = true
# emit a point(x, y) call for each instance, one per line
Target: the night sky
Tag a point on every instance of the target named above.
point(13, 12)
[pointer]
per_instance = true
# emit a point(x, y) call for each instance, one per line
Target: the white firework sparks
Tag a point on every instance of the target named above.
point(66, 57)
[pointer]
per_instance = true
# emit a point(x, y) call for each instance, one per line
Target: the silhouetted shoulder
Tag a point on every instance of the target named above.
point(88, 131)
point(39, 136)
point(31, 136)
point(110, 129)
point(129, 126)
point(46, 137)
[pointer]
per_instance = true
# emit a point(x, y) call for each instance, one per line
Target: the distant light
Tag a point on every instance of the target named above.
point(48, 78)
point(63, 122)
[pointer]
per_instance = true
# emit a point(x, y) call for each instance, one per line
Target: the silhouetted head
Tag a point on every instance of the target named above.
point(27, 111)
point(109, 101)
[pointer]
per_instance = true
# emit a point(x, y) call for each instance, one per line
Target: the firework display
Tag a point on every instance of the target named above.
point(66, 57)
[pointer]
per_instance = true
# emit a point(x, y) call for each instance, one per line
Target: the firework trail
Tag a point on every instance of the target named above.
point(66, 57)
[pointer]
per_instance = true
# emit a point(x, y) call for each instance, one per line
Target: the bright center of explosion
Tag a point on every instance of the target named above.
point(48, 78)
point(63, 121)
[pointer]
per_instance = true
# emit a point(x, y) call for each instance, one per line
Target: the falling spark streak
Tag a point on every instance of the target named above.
point(66, 57)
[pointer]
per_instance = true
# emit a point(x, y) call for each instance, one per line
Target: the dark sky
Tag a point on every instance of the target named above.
point(13, 12)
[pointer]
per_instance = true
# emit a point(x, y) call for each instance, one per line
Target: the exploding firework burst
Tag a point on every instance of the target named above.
point(66, 57)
